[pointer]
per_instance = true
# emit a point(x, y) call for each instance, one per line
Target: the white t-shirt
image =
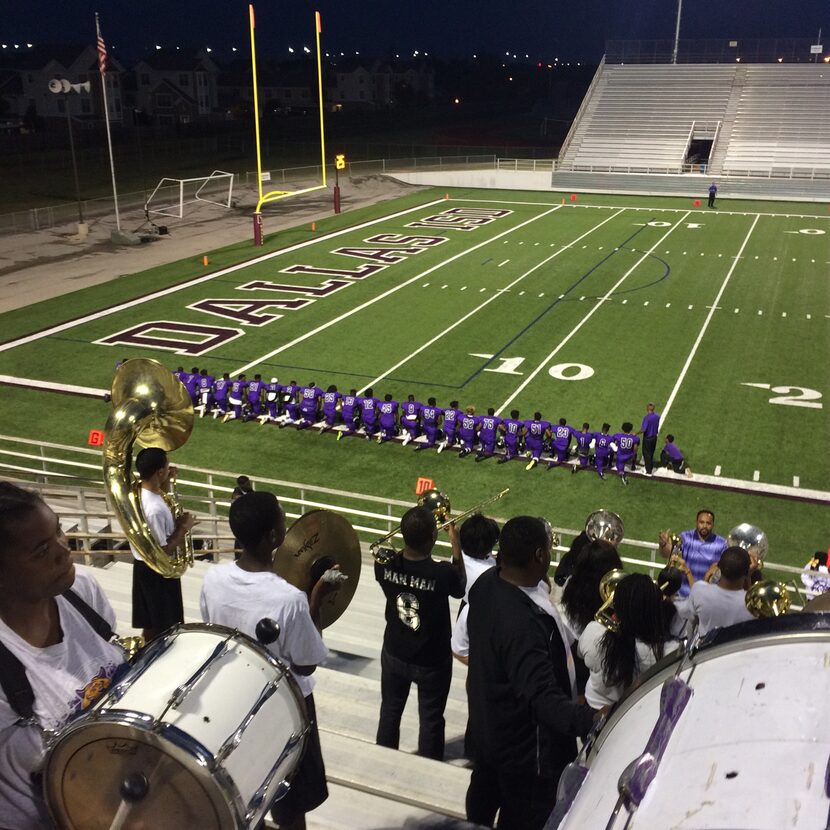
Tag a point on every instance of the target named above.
point(66, 678)
point(715, 607)
point(597, 692)
point(474, 568)
point(159, 518)
point(240, 599)
point(460, 642)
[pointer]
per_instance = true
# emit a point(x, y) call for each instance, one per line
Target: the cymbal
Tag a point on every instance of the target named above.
point(164, 406)
point(313, 544)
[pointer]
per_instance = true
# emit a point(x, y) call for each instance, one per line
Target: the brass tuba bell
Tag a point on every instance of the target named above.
point(767, 599)
point(151, 408)
point(607, 587)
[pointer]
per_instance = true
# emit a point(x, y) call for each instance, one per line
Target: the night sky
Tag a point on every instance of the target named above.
point(568, 29)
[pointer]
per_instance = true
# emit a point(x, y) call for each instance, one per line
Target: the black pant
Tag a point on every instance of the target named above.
point(649, 446)
point(433, 684)
point(711, 200)
point(679, 466)
point(523, 800)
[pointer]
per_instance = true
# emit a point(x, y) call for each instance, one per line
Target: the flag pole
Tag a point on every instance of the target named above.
point(102, 69)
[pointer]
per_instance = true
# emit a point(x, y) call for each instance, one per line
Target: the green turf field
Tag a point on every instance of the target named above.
point(585, 310)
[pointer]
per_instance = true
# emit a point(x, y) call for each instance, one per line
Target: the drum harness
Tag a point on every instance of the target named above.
point(13, 679)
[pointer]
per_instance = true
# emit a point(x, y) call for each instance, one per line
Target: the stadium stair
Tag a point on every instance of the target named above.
point(370, 786)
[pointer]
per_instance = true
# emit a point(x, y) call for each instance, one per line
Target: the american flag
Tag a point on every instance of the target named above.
point(102, 48)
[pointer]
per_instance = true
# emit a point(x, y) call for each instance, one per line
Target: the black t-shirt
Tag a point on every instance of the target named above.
point(418, 627)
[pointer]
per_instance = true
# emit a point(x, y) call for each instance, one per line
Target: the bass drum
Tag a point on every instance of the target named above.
point(204, 732)
point(739, 738)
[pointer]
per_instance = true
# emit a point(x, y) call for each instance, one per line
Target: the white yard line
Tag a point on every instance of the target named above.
point(31, 383)
point(588, 316)
point(31, 338)
point(487, 301)
point(701, 211)
point(386, 294)
point(667, 408)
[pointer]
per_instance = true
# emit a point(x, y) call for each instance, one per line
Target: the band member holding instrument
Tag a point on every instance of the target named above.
point(157, 600)
point(53, 662)
point(239, 594)
point(524, 720)
point(701, 547)
point(416, 642)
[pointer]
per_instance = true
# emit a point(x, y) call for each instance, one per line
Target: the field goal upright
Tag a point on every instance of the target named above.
point(171, 195)
point(276, 195)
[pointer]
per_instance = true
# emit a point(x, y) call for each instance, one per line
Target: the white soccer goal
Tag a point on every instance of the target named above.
point(171, 195)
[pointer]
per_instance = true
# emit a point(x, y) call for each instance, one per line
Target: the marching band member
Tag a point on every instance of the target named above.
point(701, 547)
point(55, 658)
point(239, 594)
point(416, 641)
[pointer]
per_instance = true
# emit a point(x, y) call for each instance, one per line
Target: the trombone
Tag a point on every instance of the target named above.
point(439, 504)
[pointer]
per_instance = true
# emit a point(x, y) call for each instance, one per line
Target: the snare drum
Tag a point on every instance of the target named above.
point(203, 732)
point(739, 740)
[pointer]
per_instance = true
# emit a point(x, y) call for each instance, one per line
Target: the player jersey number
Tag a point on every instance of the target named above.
point(408, 608)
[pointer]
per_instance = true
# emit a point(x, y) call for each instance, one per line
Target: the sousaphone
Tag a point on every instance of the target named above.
point(313, 545)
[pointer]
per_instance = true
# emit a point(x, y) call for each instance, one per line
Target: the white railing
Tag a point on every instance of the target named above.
point(71, 480)
point(581, 111)
point(530, 165)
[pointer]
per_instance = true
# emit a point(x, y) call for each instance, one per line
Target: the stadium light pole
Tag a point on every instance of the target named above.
point(677, 31)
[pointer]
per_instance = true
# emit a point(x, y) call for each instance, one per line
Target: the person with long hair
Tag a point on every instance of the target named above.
point(615, 658)
point(581, 599)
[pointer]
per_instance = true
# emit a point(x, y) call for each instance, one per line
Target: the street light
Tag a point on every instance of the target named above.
point(60, 86)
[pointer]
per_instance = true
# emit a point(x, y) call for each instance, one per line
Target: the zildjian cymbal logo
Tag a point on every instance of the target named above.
point(307, 545)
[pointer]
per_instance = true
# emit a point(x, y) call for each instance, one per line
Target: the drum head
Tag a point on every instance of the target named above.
point(85, 775)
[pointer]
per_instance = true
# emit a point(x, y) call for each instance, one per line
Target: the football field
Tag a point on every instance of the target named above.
point(584, 310)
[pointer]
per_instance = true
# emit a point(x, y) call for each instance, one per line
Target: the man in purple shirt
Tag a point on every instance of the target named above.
point(220, 395)
point(512, 428)
point(388, 410)
point(602, 449)
point(468, 431)
point(537, 431)
point(626, 449)
point(670, 456)
point(290, 405)
point(204, 392)
point(351, 404)
point(487, 433)
point(255, 397)
point(649, 430)
point(191, 383)
point(409, 419)
point(561, 442)
point(331, 401)
point(369, 413)
point(700, 548)
point(179, 373)
point(272, 401)
point(430, 417)
point(309, 405)
point(236, 396)
point(452, 417)
point(583, 447)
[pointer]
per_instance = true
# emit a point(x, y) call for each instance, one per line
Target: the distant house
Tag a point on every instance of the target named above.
point(175, 86)
point(282, 87)
point(25, 75)
point(362, 85)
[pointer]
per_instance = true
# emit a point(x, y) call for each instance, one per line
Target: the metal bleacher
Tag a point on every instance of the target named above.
point(642, 118)
point(782, 123)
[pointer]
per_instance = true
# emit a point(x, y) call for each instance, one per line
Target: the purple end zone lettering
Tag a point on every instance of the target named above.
point(469, 211)
point(401, 239)
point(324, 289)
point(246, 311)
point(359, 273)
point(142, 335)
point(391, 255)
